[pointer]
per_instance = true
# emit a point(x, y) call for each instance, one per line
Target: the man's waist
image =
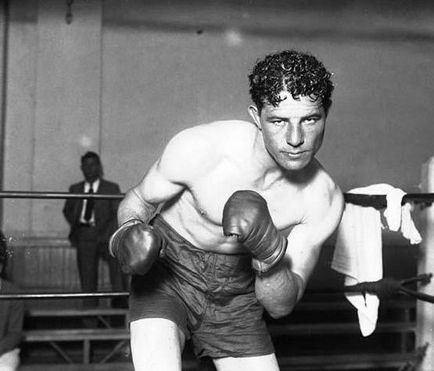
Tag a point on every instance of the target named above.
point(206, 238)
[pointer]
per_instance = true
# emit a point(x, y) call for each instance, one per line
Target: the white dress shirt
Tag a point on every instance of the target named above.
point(95, 186)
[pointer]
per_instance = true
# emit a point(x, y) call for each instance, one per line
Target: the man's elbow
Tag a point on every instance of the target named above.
point(280, 311)
point(278, 307)
point(283, 307)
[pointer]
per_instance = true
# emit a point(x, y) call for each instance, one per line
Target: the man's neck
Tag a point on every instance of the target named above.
point(269, 170)
point(272, 172)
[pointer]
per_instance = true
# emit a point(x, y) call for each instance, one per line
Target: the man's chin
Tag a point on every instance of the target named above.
point(294, 165)
point(295, 169)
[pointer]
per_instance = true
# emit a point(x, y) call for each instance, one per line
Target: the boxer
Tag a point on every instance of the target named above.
point(243, 209)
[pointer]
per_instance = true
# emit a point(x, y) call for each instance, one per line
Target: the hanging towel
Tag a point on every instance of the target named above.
point(358, 250)
point(408, 229)
point(398, 216)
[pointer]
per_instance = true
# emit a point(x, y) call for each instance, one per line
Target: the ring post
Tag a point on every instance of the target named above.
point(424, 310)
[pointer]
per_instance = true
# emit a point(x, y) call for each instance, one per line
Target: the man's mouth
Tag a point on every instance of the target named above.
point(295, 154)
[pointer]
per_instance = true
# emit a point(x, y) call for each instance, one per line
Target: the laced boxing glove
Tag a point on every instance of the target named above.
point(246, 215)
point(136, 246)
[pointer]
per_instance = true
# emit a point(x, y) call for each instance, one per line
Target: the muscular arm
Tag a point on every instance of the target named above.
point(134, 206)
point(185, 158)
point(135, 244)
point(279, 291)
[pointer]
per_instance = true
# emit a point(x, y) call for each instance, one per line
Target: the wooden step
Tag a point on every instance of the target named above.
point(47, 335)
point(124, 366)
point(362, 361)
point(47, 312)
point(75, 335)
point(337, 328)
point(190, 365)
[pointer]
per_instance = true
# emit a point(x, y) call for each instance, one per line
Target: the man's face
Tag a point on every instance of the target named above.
point(91, 169)
point(293, 131)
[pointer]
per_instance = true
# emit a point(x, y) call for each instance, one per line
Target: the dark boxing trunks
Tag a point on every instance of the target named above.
point(210, 296)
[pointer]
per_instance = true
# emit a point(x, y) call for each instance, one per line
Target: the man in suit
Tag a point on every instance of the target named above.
point(92, 222)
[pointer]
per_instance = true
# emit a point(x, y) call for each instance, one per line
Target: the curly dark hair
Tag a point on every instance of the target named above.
point(300, 74)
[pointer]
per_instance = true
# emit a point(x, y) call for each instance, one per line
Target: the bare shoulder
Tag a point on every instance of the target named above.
point(195, 150)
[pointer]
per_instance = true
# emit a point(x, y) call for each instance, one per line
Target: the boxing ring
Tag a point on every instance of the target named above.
point(385, 288)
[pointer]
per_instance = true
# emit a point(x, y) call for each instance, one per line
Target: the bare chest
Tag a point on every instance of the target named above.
point(285, 203)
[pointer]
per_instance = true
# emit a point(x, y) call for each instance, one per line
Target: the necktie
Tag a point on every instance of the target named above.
point(89, 206)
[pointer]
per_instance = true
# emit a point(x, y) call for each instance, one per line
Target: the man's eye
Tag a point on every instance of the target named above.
point(310, 120)
point(278, 122)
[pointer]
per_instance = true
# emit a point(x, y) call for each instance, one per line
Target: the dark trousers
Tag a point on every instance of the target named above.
point(88, 254)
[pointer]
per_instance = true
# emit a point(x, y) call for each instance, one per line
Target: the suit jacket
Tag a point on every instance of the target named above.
point(105, 211)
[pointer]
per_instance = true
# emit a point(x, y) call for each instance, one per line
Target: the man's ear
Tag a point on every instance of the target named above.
point(255, 115)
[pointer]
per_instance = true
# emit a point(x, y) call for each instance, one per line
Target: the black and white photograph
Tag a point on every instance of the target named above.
point(216, 185)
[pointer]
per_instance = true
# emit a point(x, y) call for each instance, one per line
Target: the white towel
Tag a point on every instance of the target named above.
point(398, 216)
point(358, 250)
point(408, 229)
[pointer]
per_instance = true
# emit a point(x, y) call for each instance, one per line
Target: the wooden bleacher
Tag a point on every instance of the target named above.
point(323, 334)
point(309, 323)
point(57, 336)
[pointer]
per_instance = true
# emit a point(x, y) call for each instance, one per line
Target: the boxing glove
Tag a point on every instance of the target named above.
point(136, 246)
point(246, 215)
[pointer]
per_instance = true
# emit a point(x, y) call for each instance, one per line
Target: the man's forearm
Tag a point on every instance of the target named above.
point(133, 210)
point(279, 291)
point(134, 207)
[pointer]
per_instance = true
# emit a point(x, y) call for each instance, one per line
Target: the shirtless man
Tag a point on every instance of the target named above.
point(243, 211)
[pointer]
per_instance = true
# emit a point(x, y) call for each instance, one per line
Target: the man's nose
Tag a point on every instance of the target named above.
point(294, 135)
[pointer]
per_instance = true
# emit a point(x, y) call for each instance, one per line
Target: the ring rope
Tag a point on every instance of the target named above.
point(385, 289)
point(58, 195)
point(380, 201)
point(62, 295)
point(377, 201)
point(388, 287)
